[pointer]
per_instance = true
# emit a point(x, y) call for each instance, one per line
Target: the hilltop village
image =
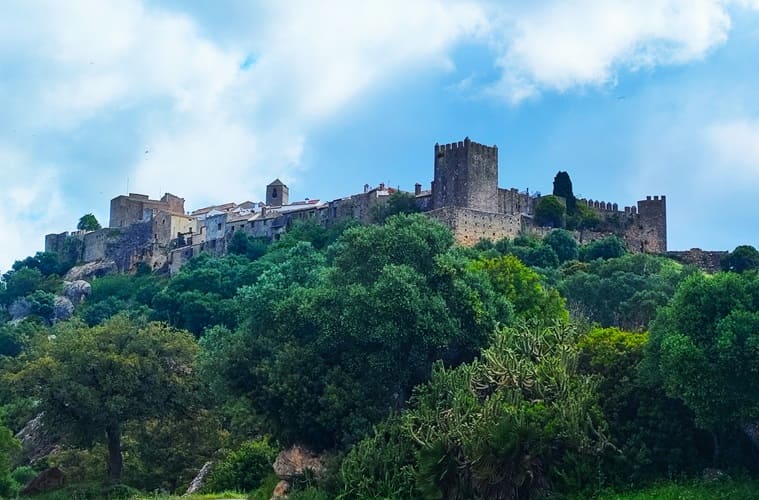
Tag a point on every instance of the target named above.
point(464, 195)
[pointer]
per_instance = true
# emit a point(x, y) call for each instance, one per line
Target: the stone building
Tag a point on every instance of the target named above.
point(464, 196)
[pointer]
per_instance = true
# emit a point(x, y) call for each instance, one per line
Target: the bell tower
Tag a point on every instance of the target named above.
point(277, 194)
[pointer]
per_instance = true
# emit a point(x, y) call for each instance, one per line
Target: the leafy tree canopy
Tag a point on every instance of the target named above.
point(550, 212)
point(705, 348)
point(88, 222)
point(91, 382)
point(743, 258)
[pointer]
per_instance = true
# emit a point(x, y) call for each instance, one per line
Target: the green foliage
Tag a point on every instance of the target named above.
point(42, 304)
point(242, 244)
point(166, 453)
point(705, 348)
point(88, 222)
point(606, 248)
point(91, 382)
point(326, 351)
point(46, 263)
point(584, 217)
point(654, 435)
point(550, 212)
point(201, 293)
point(399, 202)
point(624, 292)
point(381, 465)
point(117, 293)
point(521, 286)
point(8, 446)
point(562, 186)
point(743, 258)
point(563, 244)
point(23, 281)
point(23, 475)
point(244, 469)
point(503, 426)
point(725, 489)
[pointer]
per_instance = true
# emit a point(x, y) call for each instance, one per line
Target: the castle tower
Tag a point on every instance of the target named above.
point(277, 194)
point(466, 176)
point(652, 225)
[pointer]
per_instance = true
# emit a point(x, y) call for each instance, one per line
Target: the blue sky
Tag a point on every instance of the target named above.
point(212, 100)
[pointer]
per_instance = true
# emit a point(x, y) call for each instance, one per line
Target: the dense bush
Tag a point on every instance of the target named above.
point(243, 469)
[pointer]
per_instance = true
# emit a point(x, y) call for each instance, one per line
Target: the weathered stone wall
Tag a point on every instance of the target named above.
point(126, 210)
point(707, 260)
point(470, 226)
point(466, 175)
point(511, 201)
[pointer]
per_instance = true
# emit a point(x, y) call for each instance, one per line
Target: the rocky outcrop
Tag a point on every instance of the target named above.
point(77, 291)
point(62, 309)
point(90, 270)
point(200, 479)
point(293, 463)
point(36, 442)
point(280, 491)
point(47, 480)
point(19, 309)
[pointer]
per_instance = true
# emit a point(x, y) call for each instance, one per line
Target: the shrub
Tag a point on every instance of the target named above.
point(244, 469)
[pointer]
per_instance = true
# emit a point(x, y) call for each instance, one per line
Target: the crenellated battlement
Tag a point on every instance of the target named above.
point(466, 146)
point(603, 206)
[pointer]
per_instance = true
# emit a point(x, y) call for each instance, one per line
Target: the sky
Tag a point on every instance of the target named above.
point(213, 100)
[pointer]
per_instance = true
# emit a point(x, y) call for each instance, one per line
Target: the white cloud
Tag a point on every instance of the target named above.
point(32, 205)
point(558, 46)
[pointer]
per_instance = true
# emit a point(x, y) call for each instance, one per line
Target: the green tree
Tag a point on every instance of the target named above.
point(88, 222)
point(397, 203)
point(562, 186)
point(507, 425)
point(563, 243)
point(743, 258)
point(606, 248)
point(8, 446)
point(521, 286)
point(704, 349)
point(92, 382)
point(245, 468)
point(550, 212)
point(323, 351)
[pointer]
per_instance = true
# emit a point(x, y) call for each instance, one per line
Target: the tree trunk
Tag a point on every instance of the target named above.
point(715, 447)
point(113, 432)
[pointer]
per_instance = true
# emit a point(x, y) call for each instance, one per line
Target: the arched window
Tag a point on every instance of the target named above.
point(274, 193)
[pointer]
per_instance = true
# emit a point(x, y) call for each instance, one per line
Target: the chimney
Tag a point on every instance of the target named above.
point(263, 211)
point(417, 189)
point(366, 188)
point(382, 186)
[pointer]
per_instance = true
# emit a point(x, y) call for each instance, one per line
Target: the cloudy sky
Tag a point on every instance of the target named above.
point(212, 100)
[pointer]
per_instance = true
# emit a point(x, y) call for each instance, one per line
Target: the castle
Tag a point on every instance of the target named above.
point(464, 195)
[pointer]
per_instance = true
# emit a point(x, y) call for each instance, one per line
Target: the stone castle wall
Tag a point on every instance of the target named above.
point(470, 226)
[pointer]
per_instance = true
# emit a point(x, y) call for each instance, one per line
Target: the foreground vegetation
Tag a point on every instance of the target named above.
point(417, 369)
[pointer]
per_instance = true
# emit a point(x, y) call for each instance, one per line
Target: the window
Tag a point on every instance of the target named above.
point(274, 193)
point(218, 226)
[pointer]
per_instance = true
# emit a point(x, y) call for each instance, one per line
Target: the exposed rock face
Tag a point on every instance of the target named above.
point(48, 479)
point(200, 480)
point(19, 309)
point(63, 309)
point(280, 491)
point(295, 461)
point(91, 270)
point(36, 442)
point(77, 291)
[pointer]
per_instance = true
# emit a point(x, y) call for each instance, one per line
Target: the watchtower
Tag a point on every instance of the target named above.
point(277, 194)
point(466, 176)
